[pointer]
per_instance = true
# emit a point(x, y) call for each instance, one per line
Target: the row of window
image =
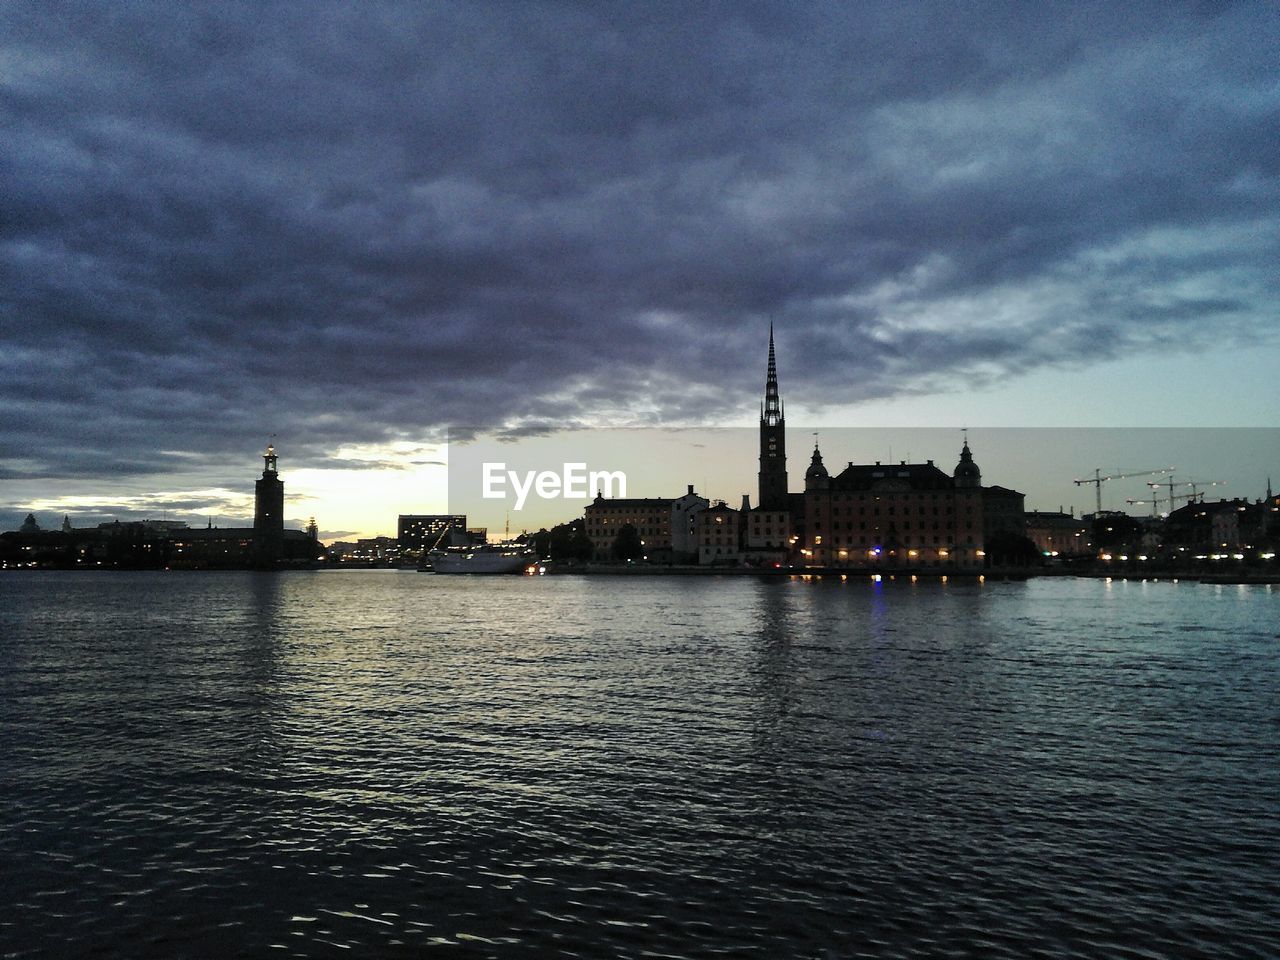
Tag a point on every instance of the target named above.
point(869, 542)
point(906, 511)
point(918, 497)
point(609, 528)
point(905, 525)
point(625, 511)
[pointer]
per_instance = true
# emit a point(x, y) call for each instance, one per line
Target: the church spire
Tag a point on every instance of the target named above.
point(772, 412)
point(773, 441)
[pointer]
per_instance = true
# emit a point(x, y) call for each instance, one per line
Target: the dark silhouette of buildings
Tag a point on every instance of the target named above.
point(667, 526)
point(903, 515)
point(264, 546)
point(150, 544)
point(1059, 534)
point(873, 515)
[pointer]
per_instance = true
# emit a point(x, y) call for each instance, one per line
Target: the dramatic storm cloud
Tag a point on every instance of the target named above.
point(357, 223)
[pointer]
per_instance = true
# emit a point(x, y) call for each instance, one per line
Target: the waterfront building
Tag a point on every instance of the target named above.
point(769, 536)
point(1058, 534)
point(417, 532)
point(265, 545)
point(867, 515)
point(214, 548)
point(900, 515)
point(268, 513)
point(876, 515)
point(720, 535)
point(378, 549)
point(1003, 513)
point(1220, 527)
point(651, 517)
point(684, 526)
point(132, 528)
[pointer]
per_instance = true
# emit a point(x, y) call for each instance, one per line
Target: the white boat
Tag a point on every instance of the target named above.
point(485, 558)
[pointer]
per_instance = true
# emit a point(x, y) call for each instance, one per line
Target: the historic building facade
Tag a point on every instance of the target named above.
point(893, 515)
point(720, 535)
point(1058, 534)
point(651, 517)
point(871, 515)
point(684, 526)
point(889, 516)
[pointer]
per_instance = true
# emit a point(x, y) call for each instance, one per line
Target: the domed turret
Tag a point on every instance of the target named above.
point(816, 477)
point(967, 473)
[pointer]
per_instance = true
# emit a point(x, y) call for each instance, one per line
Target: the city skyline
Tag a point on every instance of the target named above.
point(357, 232)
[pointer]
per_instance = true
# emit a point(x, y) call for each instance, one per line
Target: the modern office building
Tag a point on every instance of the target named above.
point(423, 531)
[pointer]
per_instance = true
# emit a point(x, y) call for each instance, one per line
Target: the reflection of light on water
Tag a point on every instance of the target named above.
point(424, 746)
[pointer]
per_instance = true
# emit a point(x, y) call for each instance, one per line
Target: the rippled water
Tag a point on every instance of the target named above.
point(377, 763)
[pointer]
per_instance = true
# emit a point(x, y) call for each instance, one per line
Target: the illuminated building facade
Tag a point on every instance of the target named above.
point(872, 515)
point(418, 531)
point(893, 515)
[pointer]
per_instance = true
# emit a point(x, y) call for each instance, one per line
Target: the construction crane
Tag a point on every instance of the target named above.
point(1098, 479)
point(1195, 486)
point(1156, 500)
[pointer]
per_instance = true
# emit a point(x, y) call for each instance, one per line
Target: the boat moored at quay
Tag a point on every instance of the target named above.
point(483, 558)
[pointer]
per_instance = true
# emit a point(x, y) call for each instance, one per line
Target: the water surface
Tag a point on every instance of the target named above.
point(380, 763)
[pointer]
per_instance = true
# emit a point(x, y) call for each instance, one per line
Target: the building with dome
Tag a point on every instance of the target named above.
point(878, 515)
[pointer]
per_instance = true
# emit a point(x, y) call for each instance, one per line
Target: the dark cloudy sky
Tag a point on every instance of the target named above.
point(353, 224)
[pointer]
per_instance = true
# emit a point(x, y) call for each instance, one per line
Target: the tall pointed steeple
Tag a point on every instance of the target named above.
point(773, 448)
point(772, 410)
